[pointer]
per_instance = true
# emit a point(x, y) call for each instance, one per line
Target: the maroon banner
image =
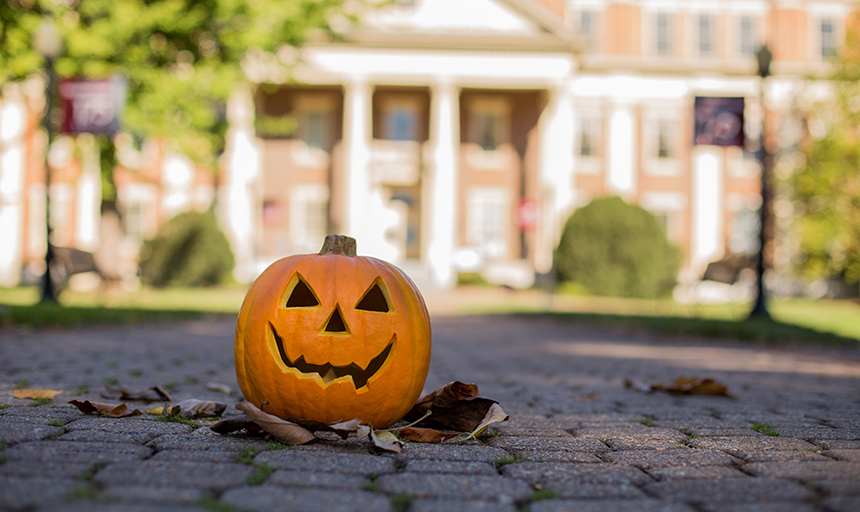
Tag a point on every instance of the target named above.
point(92, 105)
point(719, 121)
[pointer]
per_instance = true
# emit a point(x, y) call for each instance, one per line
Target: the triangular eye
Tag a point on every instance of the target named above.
point(302, 296)
point(374, 300)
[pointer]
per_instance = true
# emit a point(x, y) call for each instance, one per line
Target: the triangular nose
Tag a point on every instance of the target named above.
point(335, 322)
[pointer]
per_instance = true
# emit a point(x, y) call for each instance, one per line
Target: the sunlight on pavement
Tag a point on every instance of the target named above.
point(714, 358)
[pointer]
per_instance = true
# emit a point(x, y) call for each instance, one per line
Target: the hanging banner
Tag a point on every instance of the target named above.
point(92, 105)
point(719, 121)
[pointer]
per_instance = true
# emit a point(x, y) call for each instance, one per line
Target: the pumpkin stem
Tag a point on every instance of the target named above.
point(338, 244)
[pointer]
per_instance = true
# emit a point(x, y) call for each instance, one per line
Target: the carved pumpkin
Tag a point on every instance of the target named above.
point(332, 337)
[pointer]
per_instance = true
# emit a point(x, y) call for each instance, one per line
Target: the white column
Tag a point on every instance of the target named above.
point(240, 204)
point(89, 196)
point(356, 138)
point(13, 120)
point(444, 143)
point(707, 203)
point(556, 174)
point(622, 151)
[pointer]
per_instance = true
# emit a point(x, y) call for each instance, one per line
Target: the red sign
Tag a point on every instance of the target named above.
point(92, 106)
point(527, 214)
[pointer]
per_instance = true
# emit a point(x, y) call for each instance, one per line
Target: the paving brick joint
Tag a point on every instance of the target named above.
point(576, 440)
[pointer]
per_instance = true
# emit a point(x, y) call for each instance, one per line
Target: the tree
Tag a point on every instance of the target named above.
point(181, 58)
point(617, 249)
point(826, 187)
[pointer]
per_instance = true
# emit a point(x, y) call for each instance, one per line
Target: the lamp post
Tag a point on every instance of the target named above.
point(49, 44)
point(759, 310)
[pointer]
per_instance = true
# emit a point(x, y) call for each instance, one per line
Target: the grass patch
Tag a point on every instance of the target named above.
point(508, 459)
point(216, 505)
point(261, 474)
point(55, 423)
point(277, 445)
point(489, 434)
point(38, 402)
point(247, 455)
point(21, 384)
point(372, 486)
point(176, 419)
point(400, 502)
point(4, 405)
point(648, 420)
point(543, 494)
point(764, 428)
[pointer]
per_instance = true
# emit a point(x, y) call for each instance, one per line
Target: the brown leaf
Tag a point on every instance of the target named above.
point(36, 393)
point(236, 423)
point(425, 435)
point(386, 440)
point(447, 396)
point(282, 430)
point(150, 394)
point(193, 409)
point(112, 410)
point(685, 386)
point(494, 415)
point(345, 427)
point(464, 416)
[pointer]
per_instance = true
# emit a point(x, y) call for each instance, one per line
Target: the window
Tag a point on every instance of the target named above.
point(665, 136)
point(486, 126)
point(588, 137)
point(707, 36)
point(401, 124)
point(828, 38)
point(663, 38)
point(308, 216)
point(588, 30)
point(314, 130)
point(489, 217)
point(747, 36)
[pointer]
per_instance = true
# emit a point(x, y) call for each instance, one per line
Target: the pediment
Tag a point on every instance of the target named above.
point(463, 20)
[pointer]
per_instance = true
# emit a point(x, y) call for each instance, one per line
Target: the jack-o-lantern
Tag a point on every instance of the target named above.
point(332, 337)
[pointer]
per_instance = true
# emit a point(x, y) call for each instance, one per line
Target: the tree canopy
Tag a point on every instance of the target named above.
point(827, 185)
point(180, 58)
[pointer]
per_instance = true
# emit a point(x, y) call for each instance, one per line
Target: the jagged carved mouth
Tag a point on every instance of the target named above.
point(329, 372)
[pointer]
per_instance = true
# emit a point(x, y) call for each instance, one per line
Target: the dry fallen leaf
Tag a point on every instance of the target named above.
point(494, 415)
point(112, 410)
point(282, 430)
point(425, 435)
point(150, 394)
point(345, 427)
point(36, 393)
point(214, 386)
point(385, 440)
point(229, 425)
point(446, 396)
point(194, 409)
point(684, 386)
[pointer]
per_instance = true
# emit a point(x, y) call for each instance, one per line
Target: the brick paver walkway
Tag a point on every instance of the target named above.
point(577, 439)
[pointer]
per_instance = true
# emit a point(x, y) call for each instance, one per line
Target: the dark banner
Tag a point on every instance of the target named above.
point(92, 105)
point(719, 121)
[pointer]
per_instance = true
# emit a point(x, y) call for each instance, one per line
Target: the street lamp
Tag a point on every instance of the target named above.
point(49, 44)
point(764, 58)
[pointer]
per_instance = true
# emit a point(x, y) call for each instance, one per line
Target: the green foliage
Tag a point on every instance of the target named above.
point(827, 185)
point(261, 474)
point(764, 428)
point(189, 250)
point(617, 249)
point(181, 58)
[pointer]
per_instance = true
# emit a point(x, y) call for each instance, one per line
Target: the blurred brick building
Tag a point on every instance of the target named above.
point(458, 135)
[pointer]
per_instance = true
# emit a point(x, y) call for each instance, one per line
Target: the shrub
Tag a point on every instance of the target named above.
point(617, 249)
point(189, 250)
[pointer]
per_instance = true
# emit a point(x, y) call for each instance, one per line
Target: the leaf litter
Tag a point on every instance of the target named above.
point(683, 386)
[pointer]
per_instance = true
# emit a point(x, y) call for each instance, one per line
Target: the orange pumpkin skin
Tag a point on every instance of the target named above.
point(273, 341)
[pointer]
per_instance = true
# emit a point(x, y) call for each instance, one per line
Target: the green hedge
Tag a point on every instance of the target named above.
point(189, 250)
point(617, 249)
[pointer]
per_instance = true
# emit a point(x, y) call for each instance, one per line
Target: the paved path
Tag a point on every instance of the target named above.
point(577, 439)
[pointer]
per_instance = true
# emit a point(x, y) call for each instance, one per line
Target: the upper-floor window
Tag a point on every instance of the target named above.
point(747, 40)
point(663, 34)
point(314, 130)
point(588, 29)
point(707, 35)
point(489, 124)
point(828, 36)
point(588, 137)
point(665, 138)
point(401, 124)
